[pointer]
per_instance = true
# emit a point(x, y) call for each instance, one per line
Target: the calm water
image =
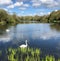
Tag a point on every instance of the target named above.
point(39, 35)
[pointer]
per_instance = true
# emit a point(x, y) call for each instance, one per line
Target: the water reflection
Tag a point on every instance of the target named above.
point(4, 36)
point(44, 36)
point(29, 31)
point(55, 26)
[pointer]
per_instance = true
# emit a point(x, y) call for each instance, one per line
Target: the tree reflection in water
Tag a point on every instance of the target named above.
point(55, 26)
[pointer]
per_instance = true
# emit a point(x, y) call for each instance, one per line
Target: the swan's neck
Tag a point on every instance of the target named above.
point(26, 44)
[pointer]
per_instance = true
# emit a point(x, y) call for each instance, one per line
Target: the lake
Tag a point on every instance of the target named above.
point(39, 35)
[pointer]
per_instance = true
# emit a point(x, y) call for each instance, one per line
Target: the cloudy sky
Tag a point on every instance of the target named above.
point(30, 7)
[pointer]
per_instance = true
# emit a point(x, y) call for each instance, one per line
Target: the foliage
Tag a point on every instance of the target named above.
point(24, 54)
point(6, 18)
point(55, 17)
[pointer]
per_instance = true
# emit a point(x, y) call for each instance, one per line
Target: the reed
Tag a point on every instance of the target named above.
point(26, 54)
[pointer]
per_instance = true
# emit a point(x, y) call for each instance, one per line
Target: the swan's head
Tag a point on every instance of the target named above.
point(26, 41)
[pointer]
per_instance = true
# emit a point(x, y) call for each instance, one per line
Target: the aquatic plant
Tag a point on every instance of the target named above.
point(50, 58)
point(25, 54)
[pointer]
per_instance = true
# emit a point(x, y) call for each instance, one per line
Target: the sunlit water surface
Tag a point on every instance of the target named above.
point(39, 35)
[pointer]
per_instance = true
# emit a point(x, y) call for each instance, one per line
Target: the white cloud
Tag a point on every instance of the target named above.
point(44, 0)
point(36, 4)
point(26, 5)
point(4, 9)
point(10, 6)
point(56, 10)
point(22, 8)
point(44, 13)
point(18, 4)
point(3, 2)
point(31, 14)
point(23, 0)
point(45, 3)
point(48, 13)
point(35, 1)
point(52, 4)
point(41, 13)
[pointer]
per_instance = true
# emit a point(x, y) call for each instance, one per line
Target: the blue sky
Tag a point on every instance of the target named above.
point(30, 7)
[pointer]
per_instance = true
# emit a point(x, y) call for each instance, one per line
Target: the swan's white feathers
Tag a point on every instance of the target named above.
point(24, 45)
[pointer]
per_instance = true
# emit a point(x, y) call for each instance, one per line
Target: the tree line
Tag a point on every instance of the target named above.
point(6, 18)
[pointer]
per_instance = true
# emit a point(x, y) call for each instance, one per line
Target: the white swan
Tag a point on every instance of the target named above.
point(7, 30)
point(24, 45)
